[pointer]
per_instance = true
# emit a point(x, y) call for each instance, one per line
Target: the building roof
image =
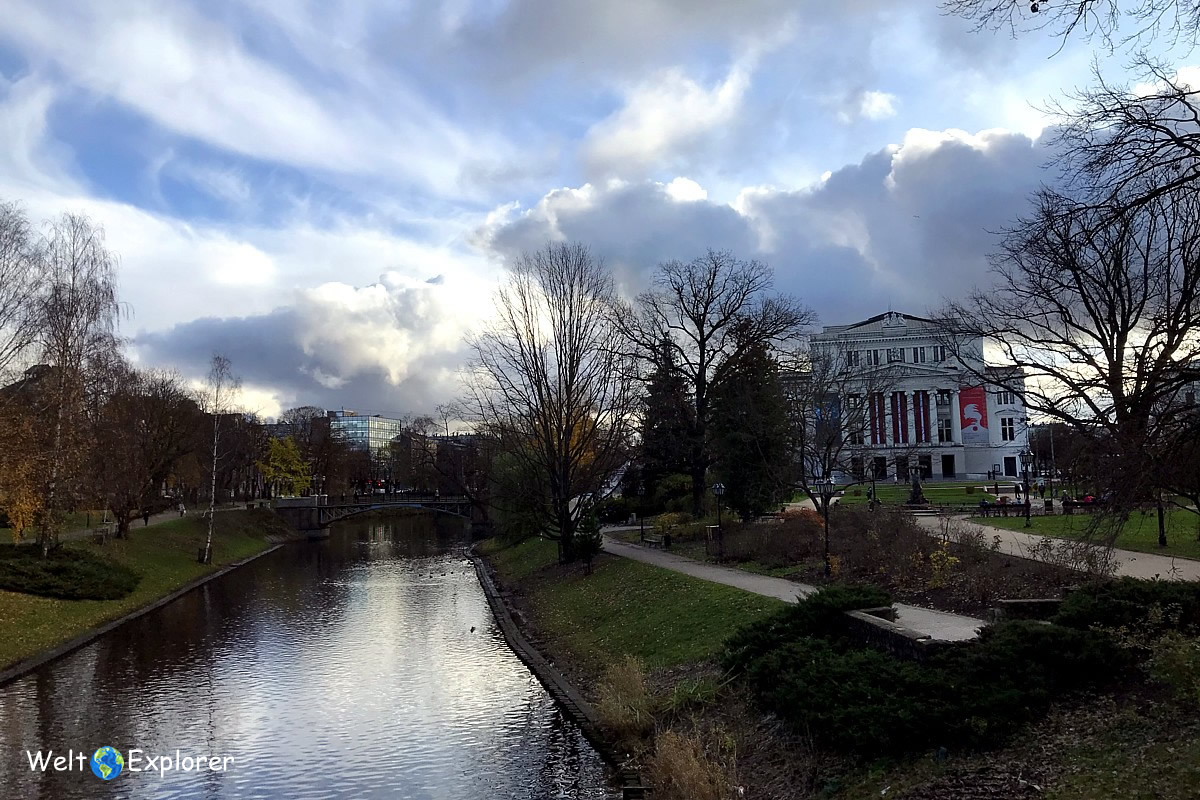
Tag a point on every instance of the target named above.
point(882, 323)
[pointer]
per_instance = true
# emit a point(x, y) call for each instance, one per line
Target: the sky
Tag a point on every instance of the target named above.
point(327, 191)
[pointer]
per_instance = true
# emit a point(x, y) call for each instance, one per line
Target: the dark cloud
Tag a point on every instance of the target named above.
point(906, 227)
point(374, 348)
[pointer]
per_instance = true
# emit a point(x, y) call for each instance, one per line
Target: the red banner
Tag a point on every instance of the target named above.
point(972, 409)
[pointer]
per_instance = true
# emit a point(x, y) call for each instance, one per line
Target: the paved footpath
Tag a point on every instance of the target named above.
point(1129, 562)
point(938, 624)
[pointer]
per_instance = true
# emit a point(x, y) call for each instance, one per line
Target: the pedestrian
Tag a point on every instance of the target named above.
point(182, 510)
point(1017, 491)
point(146, 518)
point(1042, 490)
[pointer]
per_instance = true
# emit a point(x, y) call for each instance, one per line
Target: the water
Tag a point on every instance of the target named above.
point(342, 668)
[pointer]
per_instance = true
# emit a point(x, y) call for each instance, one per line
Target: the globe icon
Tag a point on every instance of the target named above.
point(107, 763)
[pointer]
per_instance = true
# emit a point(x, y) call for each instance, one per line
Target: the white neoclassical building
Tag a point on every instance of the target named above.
point(928, 412)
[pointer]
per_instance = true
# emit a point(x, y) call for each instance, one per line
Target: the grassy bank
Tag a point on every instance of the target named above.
point(163, 555)
point(625, 608)
point(1140, 531)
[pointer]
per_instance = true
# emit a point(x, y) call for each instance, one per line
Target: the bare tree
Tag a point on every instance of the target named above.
point(710, 311)
point(545, 378)
point(20, 281)
point(220, 392)
point(1098, 314)
point(1115, 23)
point(144, 428)
point(76, 318)
point(829, 408)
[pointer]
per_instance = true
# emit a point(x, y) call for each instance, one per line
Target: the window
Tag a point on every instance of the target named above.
point(939, 353)
point(943, 397)
point(872, 358)
point(855, 435)
point(895, 354)
point(945, 430)
point(1006, 398)
point(1007, 431)
point(852, 358)
point(918, 354)
point(1189, 398)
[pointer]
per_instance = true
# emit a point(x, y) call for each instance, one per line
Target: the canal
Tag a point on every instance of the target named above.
point(366, 665)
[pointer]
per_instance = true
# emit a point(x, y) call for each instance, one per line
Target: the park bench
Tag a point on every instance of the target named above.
point(655, 540)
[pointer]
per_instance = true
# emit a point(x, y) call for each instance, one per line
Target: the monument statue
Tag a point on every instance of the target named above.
point(917, 495)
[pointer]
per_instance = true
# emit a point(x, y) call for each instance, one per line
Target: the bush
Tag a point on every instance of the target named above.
point(66, 574)
point(818, 614)
point(623, 702)
point(614, 510)
point(776, 544)
point(1130, 602)
point(681, 770)
point(799, 665)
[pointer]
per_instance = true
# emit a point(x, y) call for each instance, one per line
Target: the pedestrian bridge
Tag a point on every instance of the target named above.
point(316, 513)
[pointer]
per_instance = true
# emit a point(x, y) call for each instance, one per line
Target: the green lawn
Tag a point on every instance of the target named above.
point(75, 521)
point(895, 494)
point(1140, 532)
point(626, 607)
point(164, 555)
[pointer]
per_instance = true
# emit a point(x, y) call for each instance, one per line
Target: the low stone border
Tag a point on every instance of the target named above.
point(564, 694)
point(22, 668)
point(872, 627)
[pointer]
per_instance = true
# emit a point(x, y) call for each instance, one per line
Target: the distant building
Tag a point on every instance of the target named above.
point(370, 434)
point(930, 413)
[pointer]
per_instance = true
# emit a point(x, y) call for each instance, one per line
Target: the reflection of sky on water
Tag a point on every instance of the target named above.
point(341, 668)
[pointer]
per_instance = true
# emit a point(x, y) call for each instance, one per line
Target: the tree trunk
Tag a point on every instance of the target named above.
point(1162, 531)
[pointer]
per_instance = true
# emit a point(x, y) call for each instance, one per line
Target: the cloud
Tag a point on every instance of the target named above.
point(393, 345)
point(194, 77)
point(907, 226)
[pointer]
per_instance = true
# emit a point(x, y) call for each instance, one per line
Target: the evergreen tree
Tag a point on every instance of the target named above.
point(667, 423)
point(750, 433)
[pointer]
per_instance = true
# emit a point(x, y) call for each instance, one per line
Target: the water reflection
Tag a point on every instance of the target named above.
point(340, 668)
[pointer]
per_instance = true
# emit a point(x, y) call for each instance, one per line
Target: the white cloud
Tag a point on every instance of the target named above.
point(877, 105)
point(686, 190)
point(195, 78)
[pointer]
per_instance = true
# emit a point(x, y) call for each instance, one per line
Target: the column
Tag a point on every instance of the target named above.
point(911, 397)
point(955, 419)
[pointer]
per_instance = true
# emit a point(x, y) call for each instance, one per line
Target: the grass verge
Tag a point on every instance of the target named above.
point(164, 555)
point(625, 608)
point(1139, 533)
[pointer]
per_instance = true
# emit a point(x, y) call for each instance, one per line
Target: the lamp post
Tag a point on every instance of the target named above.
point(718, 490)
point(825, 489)
point(1026, 457)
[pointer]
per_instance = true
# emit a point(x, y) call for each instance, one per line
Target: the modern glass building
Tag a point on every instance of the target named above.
point(371, 434)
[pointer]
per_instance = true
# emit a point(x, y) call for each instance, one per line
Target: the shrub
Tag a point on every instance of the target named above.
point(819, 614)
point(67, 574)
point(614, 510)
point(1130, 602)
point(681, 770)
point(693, 693)
point(1175, 661)
point(854, 700)
point(775, 544)
point(623, 701)
point(799, 666)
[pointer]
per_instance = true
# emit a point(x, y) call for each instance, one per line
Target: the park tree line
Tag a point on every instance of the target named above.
point(82, 429)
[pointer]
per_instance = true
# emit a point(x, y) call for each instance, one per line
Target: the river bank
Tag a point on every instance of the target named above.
point(164, 558)
point(683, 720)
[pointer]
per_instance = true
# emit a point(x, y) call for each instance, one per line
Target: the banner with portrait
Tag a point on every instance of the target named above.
point(972, 410)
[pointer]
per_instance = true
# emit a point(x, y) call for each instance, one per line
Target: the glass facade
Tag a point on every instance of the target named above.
point(371, 434)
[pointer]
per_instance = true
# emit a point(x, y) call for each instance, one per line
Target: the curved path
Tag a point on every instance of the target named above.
point(1129, 562)
point(937, 624)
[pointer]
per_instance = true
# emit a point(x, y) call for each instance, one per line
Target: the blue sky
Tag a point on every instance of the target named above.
point(328, 191)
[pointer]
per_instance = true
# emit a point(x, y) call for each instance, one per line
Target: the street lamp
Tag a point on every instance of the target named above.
point(718, 490)
point(825, 489)
point(1026, 457)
